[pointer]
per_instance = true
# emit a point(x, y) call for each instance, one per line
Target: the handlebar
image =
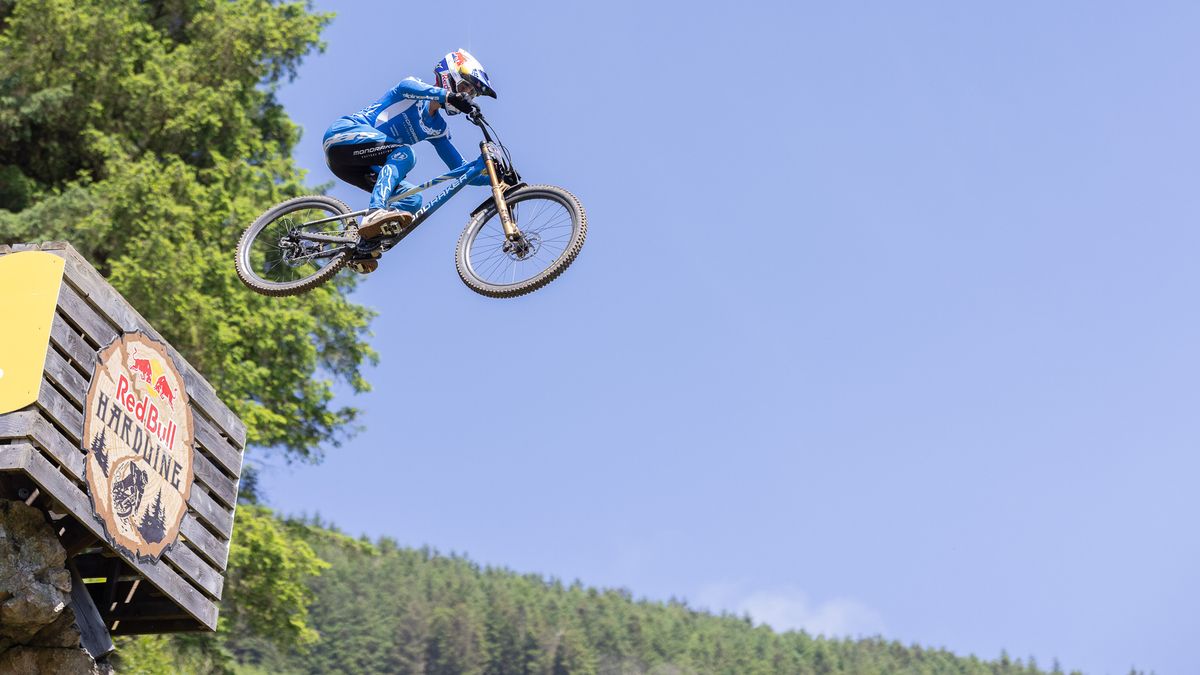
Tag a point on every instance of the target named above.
point(476, 117)
point(505, 162)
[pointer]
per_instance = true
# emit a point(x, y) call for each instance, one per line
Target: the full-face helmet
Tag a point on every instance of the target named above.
point(460, 72)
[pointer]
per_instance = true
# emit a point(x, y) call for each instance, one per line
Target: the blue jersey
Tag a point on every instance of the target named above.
point(369, 149)
point(403, 113)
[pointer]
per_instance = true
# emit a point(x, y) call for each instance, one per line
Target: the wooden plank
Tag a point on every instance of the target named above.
point(195, 568)
point(179, 555)
point(167, 580)
point(60, 372)
point(231, 426)
point(15, 456)
point(18, 424)
point(30, 425)
point(85, 282)
point(225, 454)
point(206, 543)
point(65, 337)
point(65, 453)
point(217, 517)
point(96, 328)
point(92, 631)
point(63, 413)
point(223, 488)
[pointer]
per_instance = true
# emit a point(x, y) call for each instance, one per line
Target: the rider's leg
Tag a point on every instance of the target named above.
point(383, 220)
point(354, 152)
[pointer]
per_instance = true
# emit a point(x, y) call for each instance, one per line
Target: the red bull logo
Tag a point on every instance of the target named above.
point(164, 390)
point(151, 370)
point(142, 367)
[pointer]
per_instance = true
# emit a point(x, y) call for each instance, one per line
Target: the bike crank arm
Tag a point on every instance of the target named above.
point(316, 256)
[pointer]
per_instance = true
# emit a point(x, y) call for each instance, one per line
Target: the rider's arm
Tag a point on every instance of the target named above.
point(410, 87)
point(452, 158)
point(447, 151)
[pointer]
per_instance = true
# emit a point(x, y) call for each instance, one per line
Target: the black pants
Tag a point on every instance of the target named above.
point(358, 164)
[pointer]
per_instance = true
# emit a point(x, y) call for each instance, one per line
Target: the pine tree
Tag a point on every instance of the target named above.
point(153, 525)
point(100, 451)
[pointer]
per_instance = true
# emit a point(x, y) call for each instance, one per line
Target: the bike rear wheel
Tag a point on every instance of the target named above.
point(275, 258)
point(553, 226)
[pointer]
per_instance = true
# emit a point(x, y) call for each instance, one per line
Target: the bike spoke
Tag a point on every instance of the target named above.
point(547, 226)
point(282, 252)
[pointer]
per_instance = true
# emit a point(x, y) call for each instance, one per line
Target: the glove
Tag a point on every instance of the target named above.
point(459, 102)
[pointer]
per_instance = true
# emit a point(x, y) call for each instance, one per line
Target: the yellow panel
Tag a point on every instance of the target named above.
point(29, 283)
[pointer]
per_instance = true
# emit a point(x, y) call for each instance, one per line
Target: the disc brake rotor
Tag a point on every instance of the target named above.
point(524, 248)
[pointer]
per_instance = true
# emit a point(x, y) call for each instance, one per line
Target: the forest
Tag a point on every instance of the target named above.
point(381, 608)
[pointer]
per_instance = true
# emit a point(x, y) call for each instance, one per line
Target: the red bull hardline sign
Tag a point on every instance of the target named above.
point(138, 437)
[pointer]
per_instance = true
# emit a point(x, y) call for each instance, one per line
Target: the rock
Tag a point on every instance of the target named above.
point(37, 626)
point(50, 661)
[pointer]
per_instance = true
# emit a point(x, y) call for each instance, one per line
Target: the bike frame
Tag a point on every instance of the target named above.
point(460, 177)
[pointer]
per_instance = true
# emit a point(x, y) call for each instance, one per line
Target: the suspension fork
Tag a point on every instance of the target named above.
point(510, 228)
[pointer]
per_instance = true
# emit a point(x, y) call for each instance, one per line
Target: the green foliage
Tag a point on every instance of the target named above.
point(146, 655)
point(385, 609)
point(147, 135)
point(266, 599)
point(171, 654)
point(269, 567)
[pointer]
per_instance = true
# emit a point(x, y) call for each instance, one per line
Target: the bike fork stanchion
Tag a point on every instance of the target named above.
point(510, 228)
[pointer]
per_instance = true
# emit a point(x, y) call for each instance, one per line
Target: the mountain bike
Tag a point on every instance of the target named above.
point(517, 241)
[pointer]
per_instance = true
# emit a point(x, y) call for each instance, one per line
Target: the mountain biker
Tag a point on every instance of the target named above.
point(370, 148)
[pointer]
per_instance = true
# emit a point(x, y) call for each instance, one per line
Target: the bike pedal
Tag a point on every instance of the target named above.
point(384, 224)
point(364, 266)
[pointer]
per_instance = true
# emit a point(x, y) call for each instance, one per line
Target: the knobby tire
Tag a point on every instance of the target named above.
point(255, 281)
point(547, 193)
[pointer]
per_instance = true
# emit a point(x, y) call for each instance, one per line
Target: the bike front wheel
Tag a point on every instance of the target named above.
point(553, 226)
point(284, 253)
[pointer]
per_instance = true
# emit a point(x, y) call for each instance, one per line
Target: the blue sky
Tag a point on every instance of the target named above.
point(885, 322)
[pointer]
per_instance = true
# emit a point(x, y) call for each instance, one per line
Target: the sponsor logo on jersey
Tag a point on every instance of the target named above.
point(377, 149)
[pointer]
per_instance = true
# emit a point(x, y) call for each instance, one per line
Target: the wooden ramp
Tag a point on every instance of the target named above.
point(45, 454)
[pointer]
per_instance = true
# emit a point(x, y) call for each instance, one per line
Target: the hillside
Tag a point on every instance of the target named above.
point(384, 609)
